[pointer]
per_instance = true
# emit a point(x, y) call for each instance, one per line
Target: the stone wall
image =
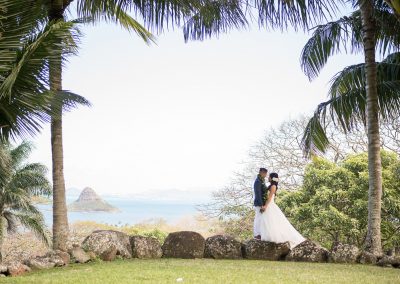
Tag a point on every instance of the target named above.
point(108, 245)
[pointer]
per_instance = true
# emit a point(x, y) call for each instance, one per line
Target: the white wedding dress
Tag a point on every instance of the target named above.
point(275, 227)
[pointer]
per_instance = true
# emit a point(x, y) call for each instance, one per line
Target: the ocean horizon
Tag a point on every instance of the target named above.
point(131, 211)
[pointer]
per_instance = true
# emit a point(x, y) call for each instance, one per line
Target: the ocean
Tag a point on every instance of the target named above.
point(131, 211)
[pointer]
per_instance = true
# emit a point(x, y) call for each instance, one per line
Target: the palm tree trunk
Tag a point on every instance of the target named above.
point(373, 240)
point(60, 217)
point(1, 236)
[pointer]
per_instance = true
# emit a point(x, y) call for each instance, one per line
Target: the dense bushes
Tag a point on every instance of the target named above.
point(331, 206)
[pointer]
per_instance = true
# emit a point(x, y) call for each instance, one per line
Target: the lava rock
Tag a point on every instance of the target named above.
point(78, 255)
point(257, 249)
point(308, 251)
point(344, 253)
point(184, 244)
point(145, 247)
point(223, 247)
point(109, 254)
point(103, 240)
point(17, 268)
point(366, 257)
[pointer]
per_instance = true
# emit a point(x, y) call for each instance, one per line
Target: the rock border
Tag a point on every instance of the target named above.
point(189, 244)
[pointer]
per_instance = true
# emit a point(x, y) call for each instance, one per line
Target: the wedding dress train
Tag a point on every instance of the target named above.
point(275, 227)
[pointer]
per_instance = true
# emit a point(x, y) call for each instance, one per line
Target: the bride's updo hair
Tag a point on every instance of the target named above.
point(274, 179)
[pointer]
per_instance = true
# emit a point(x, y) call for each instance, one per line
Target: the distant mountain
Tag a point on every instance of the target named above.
point(90, 201)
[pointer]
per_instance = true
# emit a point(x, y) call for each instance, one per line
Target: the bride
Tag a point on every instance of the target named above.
point(275, 227)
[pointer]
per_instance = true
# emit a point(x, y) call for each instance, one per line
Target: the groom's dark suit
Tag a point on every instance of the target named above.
point(259, 192)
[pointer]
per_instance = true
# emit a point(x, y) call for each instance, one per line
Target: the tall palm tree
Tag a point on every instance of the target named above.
point(371, 26)
point(28, 43)
point(19, 183)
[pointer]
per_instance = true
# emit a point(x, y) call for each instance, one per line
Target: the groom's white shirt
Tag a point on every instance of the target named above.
point(257, 221)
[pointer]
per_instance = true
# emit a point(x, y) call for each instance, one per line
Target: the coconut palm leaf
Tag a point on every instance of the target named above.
point(112, 11)
point(296, 13)
point(345, 34)
point(26, 46)
point(23, 116)
point(199, 18)
point(210, 18)
point(205, 18)
point(347, 104)
point(22, 181)
point(34, 222)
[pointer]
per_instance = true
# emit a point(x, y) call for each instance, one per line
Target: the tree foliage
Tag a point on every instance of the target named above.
point(27, 44)
point(332, 204)
point(19, 182)
point(280, 150)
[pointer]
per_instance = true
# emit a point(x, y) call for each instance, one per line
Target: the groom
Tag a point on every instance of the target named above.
point(259, 192)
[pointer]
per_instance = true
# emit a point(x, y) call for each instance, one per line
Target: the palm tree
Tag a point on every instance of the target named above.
point(28, 43)
point(20, 181)
point(354, 92)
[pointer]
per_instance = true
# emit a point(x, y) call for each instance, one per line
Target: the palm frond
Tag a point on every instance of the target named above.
point(32, 179)
point(20, 153)
point(315, 140)
point(113, 11)
point(345, 34)
point(211, 18)
point(29, 71)
point(25, 52)
point(34, 222)
point(329, 39)
point(347, 104)
point(23, 116)
point(5, 164)
point(296, 13)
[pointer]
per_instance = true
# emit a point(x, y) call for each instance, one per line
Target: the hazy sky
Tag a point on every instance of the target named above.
point(175, 115)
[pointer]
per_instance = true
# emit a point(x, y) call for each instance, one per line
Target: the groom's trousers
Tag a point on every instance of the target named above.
point(257, 221)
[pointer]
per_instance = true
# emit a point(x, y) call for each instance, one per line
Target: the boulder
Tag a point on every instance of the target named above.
point(78, 255)
point(221, 246)
point(39, 263)
point(17, 268)
point(145, 247)
point(110, 254)
point(60, 258)
point(344, 253)
point(184, 244)
point(49, 260)
point(257, 249)
point(308, 251)
point(366, 257)
point(103, 240)
point(387, 260)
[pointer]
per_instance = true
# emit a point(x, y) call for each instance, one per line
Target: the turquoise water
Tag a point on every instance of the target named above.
point(131, 211)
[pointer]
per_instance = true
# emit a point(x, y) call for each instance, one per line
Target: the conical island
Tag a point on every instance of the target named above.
point(90, 201)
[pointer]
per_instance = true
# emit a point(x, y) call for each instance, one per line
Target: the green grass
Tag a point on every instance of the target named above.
point(210, 271)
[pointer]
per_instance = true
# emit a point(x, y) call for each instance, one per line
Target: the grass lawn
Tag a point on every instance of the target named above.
point(210, 271)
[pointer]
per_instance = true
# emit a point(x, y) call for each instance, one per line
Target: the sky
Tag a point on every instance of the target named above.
point(176, 116)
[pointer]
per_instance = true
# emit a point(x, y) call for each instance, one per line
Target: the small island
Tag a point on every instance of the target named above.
point(90, 201)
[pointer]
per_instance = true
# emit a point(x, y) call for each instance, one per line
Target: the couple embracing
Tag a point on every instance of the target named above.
point(270, 224)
